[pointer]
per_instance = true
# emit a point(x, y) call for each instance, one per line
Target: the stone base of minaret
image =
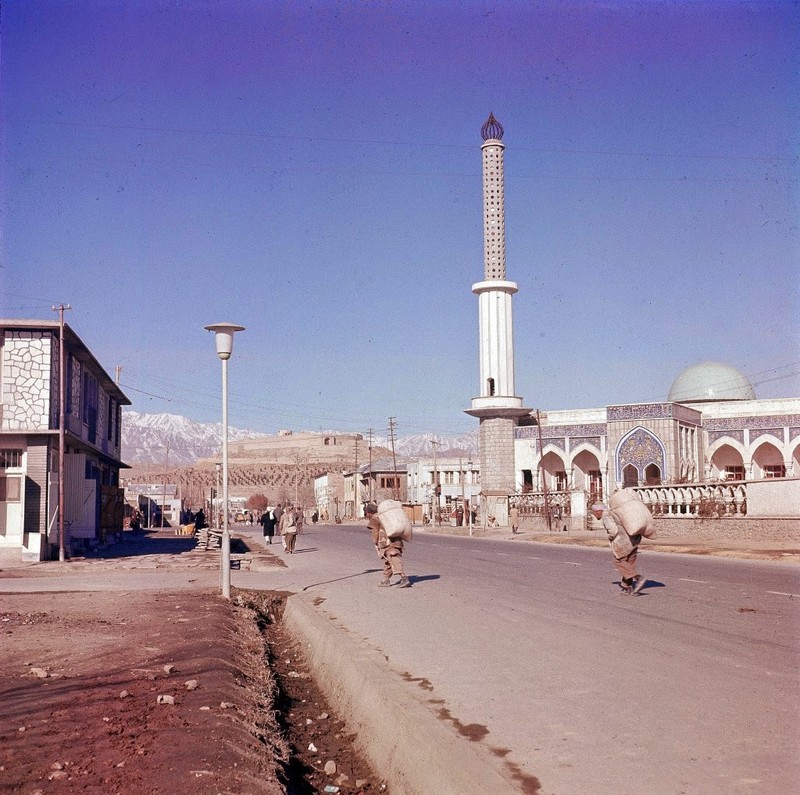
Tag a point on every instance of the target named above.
point(497, 467)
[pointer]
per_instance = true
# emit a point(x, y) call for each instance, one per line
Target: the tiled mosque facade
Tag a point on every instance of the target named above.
point(678, 454)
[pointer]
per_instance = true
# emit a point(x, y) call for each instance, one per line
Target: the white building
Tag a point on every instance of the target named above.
point(458, 482)
point(29, 441)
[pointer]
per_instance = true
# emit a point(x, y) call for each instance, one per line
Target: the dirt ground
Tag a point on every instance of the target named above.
point(163, 693)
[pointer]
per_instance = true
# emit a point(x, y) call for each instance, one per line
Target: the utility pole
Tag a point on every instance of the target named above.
point(543, 476)
point(357, 482)
point(435, 506)
point(395, 478)
point(463, 492)
point(164, 490)
point(117, 374)
point(370, 464)
point(62, 396)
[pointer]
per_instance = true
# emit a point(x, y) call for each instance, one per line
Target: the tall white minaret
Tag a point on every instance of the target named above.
point(497, 407)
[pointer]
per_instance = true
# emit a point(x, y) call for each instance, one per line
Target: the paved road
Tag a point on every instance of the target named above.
point(689, 688)
point(529, 649)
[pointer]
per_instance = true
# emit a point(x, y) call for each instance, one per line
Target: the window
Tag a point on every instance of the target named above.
point(652, 475)
point(110, 420)
point(449, 478)
point(68, 387)
point(774, 471)
point(561, 481)
point(595, 484)
point(630, 476)
point(10, 489)
point(734, 472)
point(389, 482)
point(10, 458)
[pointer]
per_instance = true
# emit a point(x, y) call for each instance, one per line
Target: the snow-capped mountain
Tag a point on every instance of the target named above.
point(421, 445)
point(172, 439)
point(169, 439)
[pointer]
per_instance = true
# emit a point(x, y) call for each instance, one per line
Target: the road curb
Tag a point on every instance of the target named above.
point(395, 726)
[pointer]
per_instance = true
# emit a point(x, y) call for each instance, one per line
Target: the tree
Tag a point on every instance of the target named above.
point(257, 502)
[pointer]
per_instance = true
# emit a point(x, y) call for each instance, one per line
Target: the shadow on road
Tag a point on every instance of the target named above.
point(157, 541)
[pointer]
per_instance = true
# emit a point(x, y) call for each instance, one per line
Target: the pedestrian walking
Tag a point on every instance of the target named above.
point(288, 526)
point(390, 550)
point(626, 522)
point(513, 517)
point(268, 522)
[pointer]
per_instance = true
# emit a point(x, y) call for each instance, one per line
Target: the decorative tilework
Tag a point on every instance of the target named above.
point(646, 411)
point(640, 448)
point(577, 441)
point(776, 432)
point(713, 436)
point(553, 431)
point(752, 423)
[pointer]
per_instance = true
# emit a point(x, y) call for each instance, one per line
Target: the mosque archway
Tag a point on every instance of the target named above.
point(727, 464)
point(585, 470)
point(555, 472)
point(640, 448)
point(768, 461)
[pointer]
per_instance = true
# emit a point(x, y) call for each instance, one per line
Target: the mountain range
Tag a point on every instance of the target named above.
point(172, 440)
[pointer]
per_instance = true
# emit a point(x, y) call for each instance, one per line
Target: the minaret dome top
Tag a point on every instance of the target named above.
point(492, 129)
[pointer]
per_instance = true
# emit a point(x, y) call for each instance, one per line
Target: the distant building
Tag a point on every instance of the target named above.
point(159, 504)
point(29, 441)
point(290, 447)
point(458, 482)
point(329, 495)
point(373, 482)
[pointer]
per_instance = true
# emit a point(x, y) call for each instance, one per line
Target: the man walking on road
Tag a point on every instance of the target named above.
point(288, 527)
point(390, 550)
point(624, 547)
point(268, 522)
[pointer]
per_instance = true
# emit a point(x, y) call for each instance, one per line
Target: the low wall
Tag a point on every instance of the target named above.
point(739, 528)
point(736, 529)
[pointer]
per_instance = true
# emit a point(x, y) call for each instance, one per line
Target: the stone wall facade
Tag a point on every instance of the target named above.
point(27, 357)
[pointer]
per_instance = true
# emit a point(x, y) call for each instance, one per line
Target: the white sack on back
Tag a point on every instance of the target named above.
point(394, 519)
point(628, 509)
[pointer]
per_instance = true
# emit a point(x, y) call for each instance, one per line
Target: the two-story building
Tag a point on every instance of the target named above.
point(29, 441)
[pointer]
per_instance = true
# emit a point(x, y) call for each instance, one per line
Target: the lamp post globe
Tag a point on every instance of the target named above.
point(223, 334)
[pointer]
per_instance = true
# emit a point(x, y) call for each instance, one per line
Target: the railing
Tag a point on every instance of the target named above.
point(531, 503)
point(691, 501)
point(697, 500)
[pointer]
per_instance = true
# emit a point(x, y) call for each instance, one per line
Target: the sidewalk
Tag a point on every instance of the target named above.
point(746, 549)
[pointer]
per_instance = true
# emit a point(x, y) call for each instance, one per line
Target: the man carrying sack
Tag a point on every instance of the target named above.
point(626, 521)
point(389, 548)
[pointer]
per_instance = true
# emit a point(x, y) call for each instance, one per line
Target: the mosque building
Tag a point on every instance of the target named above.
point(711, 442)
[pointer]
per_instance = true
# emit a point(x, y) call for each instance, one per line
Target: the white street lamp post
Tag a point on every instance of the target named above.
point(469, 505)
point(224, 338)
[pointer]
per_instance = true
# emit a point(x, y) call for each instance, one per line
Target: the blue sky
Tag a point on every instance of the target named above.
point(312, 171)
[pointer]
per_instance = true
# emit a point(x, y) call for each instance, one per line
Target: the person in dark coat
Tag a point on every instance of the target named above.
point(268, 522)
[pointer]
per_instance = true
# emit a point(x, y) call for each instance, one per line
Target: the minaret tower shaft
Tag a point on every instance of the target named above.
point(497, 407)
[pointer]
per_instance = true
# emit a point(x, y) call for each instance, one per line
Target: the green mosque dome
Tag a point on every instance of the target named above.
point(710, 381)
